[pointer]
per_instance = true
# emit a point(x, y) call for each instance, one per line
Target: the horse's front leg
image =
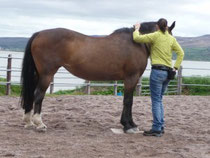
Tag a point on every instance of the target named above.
point(126, 118)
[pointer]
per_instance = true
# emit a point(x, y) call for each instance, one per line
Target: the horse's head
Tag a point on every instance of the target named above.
point(149, 27)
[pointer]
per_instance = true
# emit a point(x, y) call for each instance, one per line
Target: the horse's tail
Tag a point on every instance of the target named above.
point(29, 77)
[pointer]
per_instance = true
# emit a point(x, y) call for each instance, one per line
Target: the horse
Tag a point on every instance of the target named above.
point(112, 57)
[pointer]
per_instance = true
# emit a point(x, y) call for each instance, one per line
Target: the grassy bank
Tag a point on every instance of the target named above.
point(196, 90)
point(15, 89)
point(186, 90)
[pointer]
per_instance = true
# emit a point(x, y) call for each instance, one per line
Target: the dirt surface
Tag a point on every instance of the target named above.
point(79, 127)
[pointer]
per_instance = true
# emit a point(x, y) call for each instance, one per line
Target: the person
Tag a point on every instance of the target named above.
point(162, 45)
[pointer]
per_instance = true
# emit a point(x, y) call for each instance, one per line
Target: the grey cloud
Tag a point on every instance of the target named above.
point(87, 8)
point(126, 11)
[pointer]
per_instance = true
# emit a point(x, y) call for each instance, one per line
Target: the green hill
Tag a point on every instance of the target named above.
point(13, 43)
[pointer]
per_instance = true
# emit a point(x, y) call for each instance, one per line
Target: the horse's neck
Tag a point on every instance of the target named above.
point(148, 48)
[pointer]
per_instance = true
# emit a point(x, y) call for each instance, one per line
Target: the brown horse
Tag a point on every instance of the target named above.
point(113, 57)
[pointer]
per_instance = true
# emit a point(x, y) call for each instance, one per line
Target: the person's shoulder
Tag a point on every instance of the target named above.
point(172, 37)
point(158, 32)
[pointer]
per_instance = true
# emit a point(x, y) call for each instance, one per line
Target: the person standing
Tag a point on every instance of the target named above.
point(162, 45)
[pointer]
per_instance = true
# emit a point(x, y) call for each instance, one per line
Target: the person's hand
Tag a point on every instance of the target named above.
point(137, 26)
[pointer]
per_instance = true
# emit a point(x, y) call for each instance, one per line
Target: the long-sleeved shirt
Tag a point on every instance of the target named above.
point(162, 46)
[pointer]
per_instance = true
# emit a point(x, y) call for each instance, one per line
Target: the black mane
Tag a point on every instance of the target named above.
point(146, 27)
point(124, 30)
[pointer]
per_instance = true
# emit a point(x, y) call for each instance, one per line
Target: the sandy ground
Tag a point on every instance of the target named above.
point(79, 127)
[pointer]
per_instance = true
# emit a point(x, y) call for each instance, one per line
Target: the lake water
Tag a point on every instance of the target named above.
point(68, 81)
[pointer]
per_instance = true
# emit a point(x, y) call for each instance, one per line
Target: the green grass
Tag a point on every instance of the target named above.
point(196, 90)
point(77, 91)
point(186, 90)
point(2, 87)
point(15, 89)
point(94, 90)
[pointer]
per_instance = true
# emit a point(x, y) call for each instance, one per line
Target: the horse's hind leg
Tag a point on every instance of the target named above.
point(126, 118)
point(43, 83)
point(27, 118)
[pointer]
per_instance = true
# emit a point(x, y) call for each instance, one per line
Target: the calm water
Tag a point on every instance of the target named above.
point(190, 68)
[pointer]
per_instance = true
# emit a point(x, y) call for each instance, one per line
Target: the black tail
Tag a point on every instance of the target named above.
point(29, 77)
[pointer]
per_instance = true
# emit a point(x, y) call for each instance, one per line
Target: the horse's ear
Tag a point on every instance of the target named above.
point(172, 26)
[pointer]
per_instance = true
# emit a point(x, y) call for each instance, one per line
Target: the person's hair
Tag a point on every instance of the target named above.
point(162, 23)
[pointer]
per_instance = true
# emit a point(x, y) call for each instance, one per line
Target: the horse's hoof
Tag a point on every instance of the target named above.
point(41, 128)
point(136, 129)
point(132, 130)
point(30, 125)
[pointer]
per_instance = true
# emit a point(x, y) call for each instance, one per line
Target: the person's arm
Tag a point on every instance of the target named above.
point(146, 38)
point(180, 54)
point(139, 38)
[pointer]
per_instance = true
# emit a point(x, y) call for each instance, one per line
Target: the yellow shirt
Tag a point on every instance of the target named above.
point(162, 46)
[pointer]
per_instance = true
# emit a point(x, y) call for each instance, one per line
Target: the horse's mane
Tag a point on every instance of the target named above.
point(146, 27)
point(124, 30)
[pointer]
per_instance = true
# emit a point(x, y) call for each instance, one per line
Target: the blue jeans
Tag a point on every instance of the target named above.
point(158, 85)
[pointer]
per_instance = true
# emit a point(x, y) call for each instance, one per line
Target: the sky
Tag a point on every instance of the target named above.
point(21, 18)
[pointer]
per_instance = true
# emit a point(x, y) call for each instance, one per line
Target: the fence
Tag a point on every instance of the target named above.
point(142, 87)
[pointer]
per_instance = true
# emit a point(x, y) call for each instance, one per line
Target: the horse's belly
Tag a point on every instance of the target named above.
point(89, 73)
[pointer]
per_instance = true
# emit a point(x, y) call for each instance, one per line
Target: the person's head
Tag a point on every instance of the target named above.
point(162, 24)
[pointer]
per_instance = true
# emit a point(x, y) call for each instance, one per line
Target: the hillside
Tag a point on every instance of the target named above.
point(13, 43)
point(196, 48)
point(194, 42)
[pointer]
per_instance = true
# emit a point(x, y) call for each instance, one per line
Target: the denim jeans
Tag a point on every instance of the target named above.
point(158, 85)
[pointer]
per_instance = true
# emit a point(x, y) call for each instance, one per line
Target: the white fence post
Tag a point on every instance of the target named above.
point(139, 87)
point(52, 86)
point(88, 87)
point(9, 71)
point(115, 88)
point(179, 82)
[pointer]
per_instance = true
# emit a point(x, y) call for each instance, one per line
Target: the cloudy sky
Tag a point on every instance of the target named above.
point(21, 18)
